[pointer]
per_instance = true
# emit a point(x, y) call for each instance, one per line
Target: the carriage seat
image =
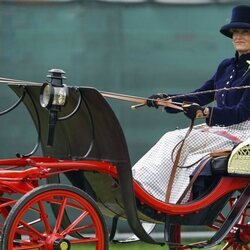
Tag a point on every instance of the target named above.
point(235, 163)
point(239, 160)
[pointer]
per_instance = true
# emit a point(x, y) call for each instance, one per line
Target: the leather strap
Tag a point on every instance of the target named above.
point(197, 173)
point(217, 153)
point(175, 165)
point(190, 185)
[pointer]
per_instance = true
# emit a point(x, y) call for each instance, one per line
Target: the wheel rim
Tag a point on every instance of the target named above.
point(39, 231)
point(239, 236)
point(4, 211)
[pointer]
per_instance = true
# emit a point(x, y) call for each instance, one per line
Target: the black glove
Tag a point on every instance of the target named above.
point(193, 110)
point(151, 101)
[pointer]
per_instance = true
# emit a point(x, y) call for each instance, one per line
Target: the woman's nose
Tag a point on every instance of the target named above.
point(237, 34)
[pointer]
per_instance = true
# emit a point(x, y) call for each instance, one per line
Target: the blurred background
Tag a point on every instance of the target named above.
point(133, 47)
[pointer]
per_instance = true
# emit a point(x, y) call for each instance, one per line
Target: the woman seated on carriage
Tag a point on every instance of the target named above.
point(227, 123)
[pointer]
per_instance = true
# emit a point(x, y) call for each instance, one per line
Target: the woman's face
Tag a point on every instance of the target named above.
point(241, 40)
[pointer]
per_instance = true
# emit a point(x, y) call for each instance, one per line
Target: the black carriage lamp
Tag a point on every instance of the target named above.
point(53, 96)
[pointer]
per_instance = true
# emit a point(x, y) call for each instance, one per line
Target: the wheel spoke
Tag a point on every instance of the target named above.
point(60, 215)
point(74, 223)
point(85, 240)
point(30, 228)
point(19, 245)
point(221, 216)
point(44, 217)
point(83, 228)
point(227, 246)
point(28, 247)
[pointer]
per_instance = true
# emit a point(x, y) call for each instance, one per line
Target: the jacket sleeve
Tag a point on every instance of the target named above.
point(201, 99)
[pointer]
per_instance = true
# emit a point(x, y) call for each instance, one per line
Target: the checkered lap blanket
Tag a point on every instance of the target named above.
point(153, 170)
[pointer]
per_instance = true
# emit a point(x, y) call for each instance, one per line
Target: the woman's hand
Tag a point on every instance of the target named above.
point(152, 100)
point(194, 110)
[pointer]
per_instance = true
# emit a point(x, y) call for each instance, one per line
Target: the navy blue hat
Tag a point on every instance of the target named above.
point(240, 20)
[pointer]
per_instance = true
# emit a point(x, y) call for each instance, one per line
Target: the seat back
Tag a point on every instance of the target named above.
point(239, 161)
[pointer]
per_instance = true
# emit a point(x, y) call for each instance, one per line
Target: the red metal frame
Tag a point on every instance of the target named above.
point(13, 180)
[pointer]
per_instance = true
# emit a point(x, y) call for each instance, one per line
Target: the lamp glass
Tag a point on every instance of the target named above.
point(46, 95)
point(60, 94)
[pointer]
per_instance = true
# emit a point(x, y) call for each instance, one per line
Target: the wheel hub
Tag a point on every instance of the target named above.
point(61, 244)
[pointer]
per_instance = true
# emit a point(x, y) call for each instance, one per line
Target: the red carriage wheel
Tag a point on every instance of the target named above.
point(239, 236)
point(32, 219)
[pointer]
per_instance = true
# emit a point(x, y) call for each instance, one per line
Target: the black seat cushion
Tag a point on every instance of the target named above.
point(219, 165)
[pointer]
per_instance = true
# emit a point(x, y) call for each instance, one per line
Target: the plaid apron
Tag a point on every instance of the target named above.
point(153, 170)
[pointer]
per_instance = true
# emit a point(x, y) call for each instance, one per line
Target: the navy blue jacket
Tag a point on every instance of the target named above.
point(232, 106)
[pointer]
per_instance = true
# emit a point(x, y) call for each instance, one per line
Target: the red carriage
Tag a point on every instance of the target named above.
point(86, 144)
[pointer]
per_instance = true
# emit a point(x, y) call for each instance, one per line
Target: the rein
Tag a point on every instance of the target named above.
point(176, 163)
point(136, 99)
point(208, 91)
point(142, 100)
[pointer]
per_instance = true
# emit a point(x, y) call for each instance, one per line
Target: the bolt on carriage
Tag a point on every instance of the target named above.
point(86, 144)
